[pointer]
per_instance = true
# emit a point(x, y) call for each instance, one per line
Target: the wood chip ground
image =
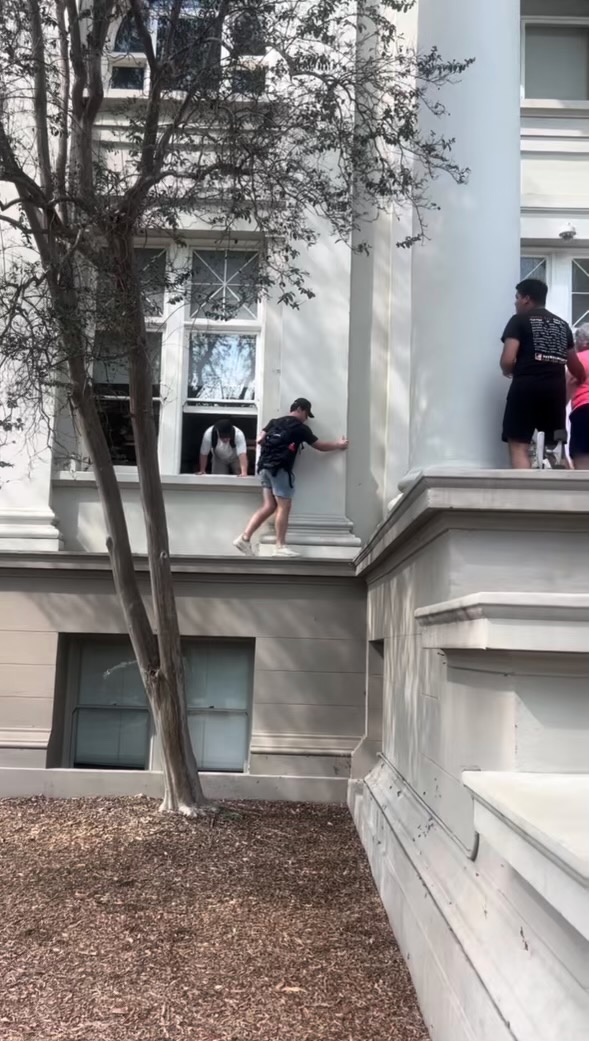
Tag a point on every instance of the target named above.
point(122, 924)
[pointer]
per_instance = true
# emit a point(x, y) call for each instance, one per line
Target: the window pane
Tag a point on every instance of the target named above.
point(217, 677)
point(224, 284)
point(219, 741)
point(221, 367)
point(151, 264)
point(111, 738)
point(110, 369)
point(557, 62)
point(194, 56)
point(127, 40)
point(127, 77)
point(533, 267)
point(248, 33)
point(581, 275)
point(115, 416)
point(109, 675)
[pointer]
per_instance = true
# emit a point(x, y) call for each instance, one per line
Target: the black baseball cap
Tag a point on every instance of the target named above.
point(304, 404)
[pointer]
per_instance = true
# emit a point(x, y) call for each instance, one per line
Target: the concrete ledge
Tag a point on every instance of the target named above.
point(539, 824)
point(547, 622)
point(72, 784)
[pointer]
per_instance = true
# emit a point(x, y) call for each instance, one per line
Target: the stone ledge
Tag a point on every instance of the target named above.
point(446, 492)
point(547, 622)
point(17, 783)
point(184, 568)
point(538, 823)
point(181, 482)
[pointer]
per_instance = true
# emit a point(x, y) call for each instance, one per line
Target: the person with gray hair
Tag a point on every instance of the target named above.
point(578, 394)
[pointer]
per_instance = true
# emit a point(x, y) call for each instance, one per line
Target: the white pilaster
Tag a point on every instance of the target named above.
point(27, 521)
point(464, 275)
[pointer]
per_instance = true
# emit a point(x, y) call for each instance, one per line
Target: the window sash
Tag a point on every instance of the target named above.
point(554, 22)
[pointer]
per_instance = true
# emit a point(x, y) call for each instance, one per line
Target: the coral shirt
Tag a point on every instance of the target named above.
point(580, 394)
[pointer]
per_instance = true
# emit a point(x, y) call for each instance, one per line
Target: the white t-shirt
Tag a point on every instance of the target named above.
point(224, 450)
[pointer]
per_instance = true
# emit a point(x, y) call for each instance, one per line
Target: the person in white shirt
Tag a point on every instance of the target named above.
point(228, 447)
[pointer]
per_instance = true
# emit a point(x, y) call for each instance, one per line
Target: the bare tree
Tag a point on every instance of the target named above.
point(285, 118)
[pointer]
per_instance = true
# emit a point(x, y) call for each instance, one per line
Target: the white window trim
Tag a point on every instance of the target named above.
point(559, 23)
point(559, 276)
point(178, 323)
point(123, 59)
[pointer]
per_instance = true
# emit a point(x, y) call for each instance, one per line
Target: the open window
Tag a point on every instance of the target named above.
point(222, 338)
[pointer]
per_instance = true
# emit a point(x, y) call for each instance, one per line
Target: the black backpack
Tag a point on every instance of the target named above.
point(215, 438)
point(279, 451)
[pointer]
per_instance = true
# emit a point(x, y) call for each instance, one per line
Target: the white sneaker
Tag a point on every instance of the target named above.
point(284, 551)
point(244, 546)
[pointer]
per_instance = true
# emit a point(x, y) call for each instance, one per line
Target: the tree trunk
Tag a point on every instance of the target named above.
point(168, 693)
point(162, 674)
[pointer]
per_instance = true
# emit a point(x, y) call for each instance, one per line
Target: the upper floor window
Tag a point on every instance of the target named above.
point(196, 50)
point(556, 60)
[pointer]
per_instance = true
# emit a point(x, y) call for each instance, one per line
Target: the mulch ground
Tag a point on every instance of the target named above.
point(118, 923)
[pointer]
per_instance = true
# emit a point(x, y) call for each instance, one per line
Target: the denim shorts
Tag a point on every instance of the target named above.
point(281, 484)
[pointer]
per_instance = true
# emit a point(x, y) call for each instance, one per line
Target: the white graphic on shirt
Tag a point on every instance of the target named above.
point(549, 336)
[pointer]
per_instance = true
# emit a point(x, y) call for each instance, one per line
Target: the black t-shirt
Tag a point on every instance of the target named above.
point(299, 434)
point(544, 340)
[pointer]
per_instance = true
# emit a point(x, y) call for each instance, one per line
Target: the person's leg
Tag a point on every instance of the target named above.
point(260, 516)
point(518, 423)
point(283, 507)
point(519, 453)
point(579, 447)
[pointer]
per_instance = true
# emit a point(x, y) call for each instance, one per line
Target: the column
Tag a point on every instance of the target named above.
point(464, 276)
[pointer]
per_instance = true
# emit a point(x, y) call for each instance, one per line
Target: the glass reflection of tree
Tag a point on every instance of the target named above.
point(222, 367)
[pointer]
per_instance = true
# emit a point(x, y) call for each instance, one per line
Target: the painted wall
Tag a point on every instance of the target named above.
point(308, 703)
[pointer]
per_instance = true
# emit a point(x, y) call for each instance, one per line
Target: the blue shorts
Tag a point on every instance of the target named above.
point(281, 484)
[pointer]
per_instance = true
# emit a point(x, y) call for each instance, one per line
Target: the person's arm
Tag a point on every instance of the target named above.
point(205, 449)
point(511, 340)
point(575, 366)
point(509, 356)
point(241, 449)
point(331, 446)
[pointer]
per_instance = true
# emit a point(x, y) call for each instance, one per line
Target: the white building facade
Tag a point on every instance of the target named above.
point(428, 655)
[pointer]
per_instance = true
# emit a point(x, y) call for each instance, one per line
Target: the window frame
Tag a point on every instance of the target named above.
point(558, 22)
point(153, 758)
point(559, 276)
point(138, 59)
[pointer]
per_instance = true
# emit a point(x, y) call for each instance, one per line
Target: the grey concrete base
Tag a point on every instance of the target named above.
point(298, 766)
point(23, 757)
point(71, 784)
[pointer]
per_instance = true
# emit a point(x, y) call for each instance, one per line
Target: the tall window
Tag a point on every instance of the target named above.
point(111, 724)
point(197, 52)
point(222, 340)
point(556, 61)
point(110, 370)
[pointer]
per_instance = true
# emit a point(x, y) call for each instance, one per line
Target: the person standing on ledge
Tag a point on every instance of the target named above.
point(228, 446)
point(280, 442)
point(537, 347)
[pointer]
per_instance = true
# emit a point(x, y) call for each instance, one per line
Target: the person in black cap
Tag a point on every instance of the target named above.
point(280, 442)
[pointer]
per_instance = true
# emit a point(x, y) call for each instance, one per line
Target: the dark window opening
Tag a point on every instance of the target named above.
point(194, 425)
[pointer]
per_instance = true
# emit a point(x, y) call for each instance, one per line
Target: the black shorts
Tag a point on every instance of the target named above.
point(534, 405)
point(579, 431)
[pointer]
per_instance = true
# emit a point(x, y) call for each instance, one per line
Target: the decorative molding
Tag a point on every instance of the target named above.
point(11, 737)
point(21, 527)
point(303, 744)
point(524, 622)
point(444, 491)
